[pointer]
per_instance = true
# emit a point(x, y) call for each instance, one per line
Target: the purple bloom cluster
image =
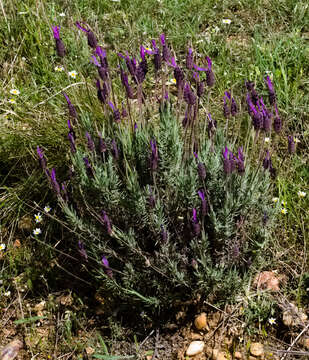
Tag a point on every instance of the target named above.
point(92, 40)
point(231, 162)
point(154, 157)
point(106, 222)
point(108, 271)
point(229, 110)
point(60, 48)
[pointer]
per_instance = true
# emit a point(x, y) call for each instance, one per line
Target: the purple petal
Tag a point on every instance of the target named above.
point(80, 27)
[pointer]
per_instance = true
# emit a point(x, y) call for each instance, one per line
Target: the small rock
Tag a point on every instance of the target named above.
point(200, 321)
point(195, 347)
point(25, 223)
point(267, 280)
point(238, 355)
point(218, 355)
point(10, 351)
point(257, 349)
point(89, 350)
point(306, 343)
point(293, 316)
point(40, 306)
point(196, 336)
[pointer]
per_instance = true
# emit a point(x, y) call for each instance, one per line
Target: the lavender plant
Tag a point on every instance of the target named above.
point(165, 209)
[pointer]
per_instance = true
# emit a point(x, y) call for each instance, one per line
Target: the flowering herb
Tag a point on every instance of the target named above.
point(102, 91)
point(42, 159)
point(90, 142)
point(82, 251)
point(88, 166)
point(166, 54)
point(291, 144)
point(54, 182)
point(271, 91)
point(72, 111)
point(157, 59)
point(240, 161)
point(227, 161)
point(204, 207)
point(64, 191)
point(115, 151)
point(189, 59)
point(108, 271)
point(92, 40)
point(60, 48)
point(125, 83)
point(195, 224)
point(72, 142)
point(188, 95)
point(106, 222)
point(154, 155)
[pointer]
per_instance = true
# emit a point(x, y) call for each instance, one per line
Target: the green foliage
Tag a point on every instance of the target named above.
point(147, 267)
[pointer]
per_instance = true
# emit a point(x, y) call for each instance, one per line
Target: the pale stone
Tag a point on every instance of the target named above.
point(195, 348)
point(267, 280)
point(257, 349)
point(218, 355)
point(10, 351)
point(200, 321)
point(237, 355)
point(306, 343)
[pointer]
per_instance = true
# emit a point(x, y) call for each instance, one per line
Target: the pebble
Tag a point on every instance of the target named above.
point(10, 351)
point(218, 355)
point(195, 348)
point(257, 349)
point(200, 321)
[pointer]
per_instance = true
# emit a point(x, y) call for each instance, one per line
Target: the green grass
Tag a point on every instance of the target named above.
point(263, 36)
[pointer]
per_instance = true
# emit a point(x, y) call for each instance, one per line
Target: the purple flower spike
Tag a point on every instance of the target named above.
point(125, 83)
point(234, 108)
point(106, 222)
point(226, 108)
point(116, 112)
point(157, 60)
point(92, 40)
point(42, 160)
point(240, 162)
point(166, 54)
point(88, 166)
point(189, 59)
point(210, 77)
point(266, 161)
point(195, 224)
point(108, 271)
point(151, 199)
point(277, 121)
point(60, 48)
point(72, 143)
point(90, 142)
point(102, 145)
point(56, 32)
point(188, 95)
point(72, 110)
point(291, 145)
point(154, 155)
point(271, 91)
point(102, 92)
point(204, 207)
point(82, 251)
point(54, 182)
point(227, 161)
point(65, 195)
point(115, 151)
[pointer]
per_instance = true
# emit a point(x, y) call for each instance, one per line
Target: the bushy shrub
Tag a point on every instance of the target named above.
point(166, 207)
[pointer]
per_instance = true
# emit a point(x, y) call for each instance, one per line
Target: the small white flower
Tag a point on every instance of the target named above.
point(284, 211)
point(301, 194)
point(14, 92)
point(62, 14)
point(12, 101)
point(73, 74)
point(296, 140)
point(226, 21)
point(267, 140)
point(38, 218)
point(2, 247)
point(275, 199)
point(171, 82)
point(47, 209)
point(37, 231)
point(59, 68)
point(7, 293)
point(272, 321)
